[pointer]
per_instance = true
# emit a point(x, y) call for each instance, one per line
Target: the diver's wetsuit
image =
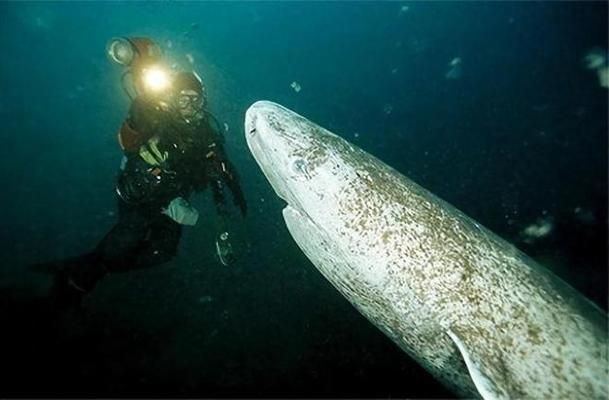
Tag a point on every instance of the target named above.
point(184, 158)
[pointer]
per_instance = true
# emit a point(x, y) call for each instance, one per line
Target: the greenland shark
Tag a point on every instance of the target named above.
point(478, 314)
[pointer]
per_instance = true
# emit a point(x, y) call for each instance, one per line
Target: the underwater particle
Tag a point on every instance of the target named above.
point(169, 44)
point(455, 69)
point(596, 59)
point(584, 216)
point(403, 10)
point(296, 86)
point(540, 107)
point(39, 22)
point(37, 17)
point(225, 127)
point(538, 230)
point(580, 111)
point(190, 58)
point(388, 109)
point(418, 45)
point(262, 199)
point(356, 135)
point(394, 71)
point(205, 299)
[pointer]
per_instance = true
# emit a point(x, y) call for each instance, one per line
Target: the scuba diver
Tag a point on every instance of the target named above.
point(171, 150)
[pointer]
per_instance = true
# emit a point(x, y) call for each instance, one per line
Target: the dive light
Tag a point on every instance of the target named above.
point(132, 51)
point(155, 79)
point(142, 57)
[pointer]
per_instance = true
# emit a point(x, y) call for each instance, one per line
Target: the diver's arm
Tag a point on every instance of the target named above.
point(141, 183)
point(224, 174)
point(217, 191)
point(145, 119)
point(231, 179)
point(220, 172)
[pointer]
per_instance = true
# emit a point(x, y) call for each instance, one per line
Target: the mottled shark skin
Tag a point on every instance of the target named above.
point(481, 316)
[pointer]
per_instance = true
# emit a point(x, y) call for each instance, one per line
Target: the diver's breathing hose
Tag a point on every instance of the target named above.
point(123, 84)
point(218, 126)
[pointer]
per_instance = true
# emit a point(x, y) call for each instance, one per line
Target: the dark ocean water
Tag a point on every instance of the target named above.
point(488, 105)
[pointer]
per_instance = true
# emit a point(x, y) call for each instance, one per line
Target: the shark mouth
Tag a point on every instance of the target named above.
point(261, 150)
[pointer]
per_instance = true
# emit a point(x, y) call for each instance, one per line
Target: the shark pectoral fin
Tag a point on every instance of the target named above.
point(488, 382)
point(321, 250)
point(312, 241)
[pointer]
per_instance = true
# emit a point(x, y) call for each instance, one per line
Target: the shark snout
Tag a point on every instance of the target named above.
point(256, 114)
point(251, 116)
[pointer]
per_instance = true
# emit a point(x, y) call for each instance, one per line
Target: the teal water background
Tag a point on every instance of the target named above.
point(517, 134)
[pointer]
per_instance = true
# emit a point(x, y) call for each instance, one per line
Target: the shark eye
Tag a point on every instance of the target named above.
point(300, 166)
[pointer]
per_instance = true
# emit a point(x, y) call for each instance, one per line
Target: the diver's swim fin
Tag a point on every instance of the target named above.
point(56, 266)
point(81, 272)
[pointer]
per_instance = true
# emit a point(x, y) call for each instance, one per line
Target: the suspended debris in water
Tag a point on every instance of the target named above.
point(296, 86)
point(542, 228)
point(596, 59)
point(188, 33)
point(205, 299)
point(584, 216)
point(455, 69)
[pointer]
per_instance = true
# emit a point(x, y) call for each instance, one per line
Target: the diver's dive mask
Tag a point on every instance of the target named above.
point(189, 104)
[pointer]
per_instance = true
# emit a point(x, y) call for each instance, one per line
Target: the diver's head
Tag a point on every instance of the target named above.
point(189, 96)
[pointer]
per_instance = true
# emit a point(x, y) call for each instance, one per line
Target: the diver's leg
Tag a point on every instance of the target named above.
point(73, 278)
point(162, 243)
point(119, 249)
point(77, 276)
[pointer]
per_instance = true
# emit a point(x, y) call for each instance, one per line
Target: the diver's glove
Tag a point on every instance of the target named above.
point(138, 182)
point(224, 249)
point(181, 212)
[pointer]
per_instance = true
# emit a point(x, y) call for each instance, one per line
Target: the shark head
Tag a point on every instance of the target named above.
point(298, 157)
point(431, 278)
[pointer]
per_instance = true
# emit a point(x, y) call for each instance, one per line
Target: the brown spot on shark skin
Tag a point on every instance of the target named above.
point(533, 335)
point(385, 237)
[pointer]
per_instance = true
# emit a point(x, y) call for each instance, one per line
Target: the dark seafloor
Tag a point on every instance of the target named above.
point(489, 105)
